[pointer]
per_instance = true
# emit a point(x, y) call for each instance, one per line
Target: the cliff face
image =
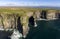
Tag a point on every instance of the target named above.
point(8, 19)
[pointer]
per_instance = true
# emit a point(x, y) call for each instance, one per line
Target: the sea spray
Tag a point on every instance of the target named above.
point(35, 25)
point(16, 35)
point(1, 28)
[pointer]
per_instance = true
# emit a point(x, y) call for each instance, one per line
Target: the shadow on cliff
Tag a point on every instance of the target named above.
point(19, 25)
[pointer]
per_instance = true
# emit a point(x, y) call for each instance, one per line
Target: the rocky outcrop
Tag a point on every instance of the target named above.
point(51, 14)
point(37, 14)
point(8, 21)
point(1, 21)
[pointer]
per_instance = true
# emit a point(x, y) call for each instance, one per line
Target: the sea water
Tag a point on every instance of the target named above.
point(45, 30)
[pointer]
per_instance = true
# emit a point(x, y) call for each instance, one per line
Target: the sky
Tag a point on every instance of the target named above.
point(30, 3)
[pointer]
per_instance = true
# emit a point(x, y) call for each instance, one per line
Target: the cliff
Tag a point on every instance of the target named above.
point(12, 18)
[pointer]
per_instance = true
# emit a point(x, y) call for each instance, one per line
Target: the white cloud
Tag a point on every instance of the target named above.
point(22, 3)
point(50, 4)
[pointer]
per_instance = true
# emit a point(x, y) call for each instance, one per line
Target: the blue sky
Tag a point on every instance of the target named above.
point(30, 3)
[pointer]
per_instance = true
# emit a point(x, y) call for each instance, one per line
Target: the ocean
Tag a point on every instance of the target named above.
point(45, 30)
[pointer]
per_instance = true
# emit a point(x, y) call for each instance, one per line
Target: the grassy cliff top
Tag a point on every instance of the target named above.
point(23, 11)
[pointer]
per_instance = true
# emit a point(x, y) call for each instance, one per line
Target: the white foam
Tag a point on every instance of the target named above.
point(24, 36)
point(16, 35)
point(1, 28)
point(47, 19)
point(35, 25)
